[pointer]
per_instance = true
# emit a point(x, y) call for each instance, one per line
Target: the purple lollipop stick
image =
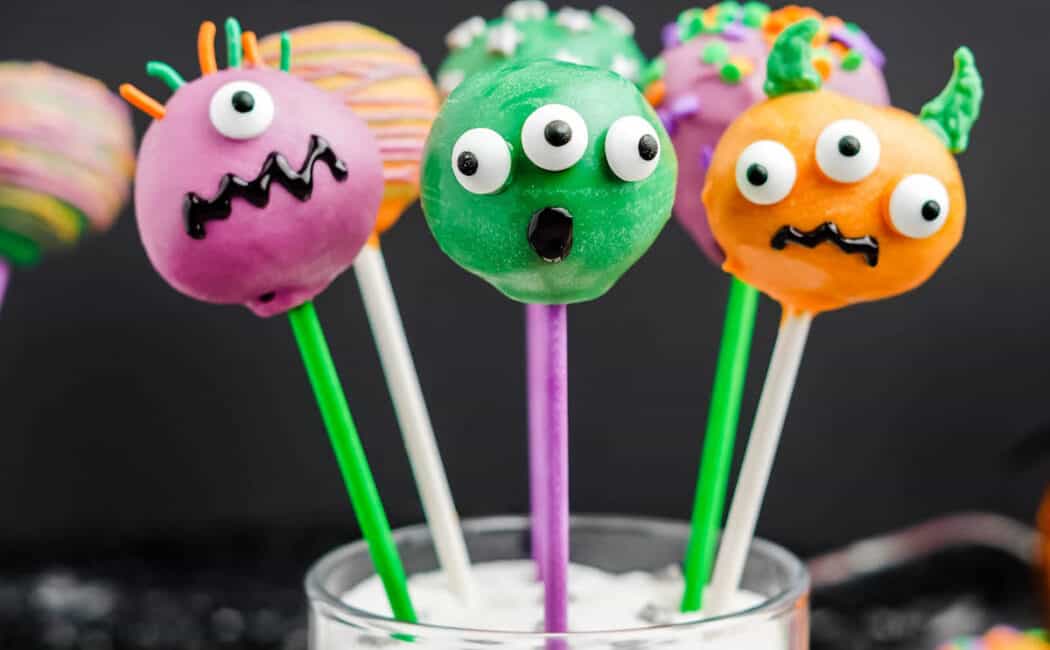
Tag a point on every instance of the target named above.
point(536, 377)
point(5, 278)
point(556, 393)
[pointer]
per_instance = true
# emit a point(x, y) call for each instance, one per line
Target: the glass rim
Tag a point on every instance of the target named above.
point(334, 607)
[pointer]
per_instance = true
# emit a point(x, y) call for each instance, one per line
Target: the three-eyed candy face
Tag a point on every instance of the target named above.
point(821, 201)
point(255, 188)
point(547, 179)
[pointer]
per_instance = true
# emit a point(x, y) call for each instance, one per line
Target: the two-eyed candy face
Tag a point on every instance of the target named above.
point(821, 201)
point(547, 179)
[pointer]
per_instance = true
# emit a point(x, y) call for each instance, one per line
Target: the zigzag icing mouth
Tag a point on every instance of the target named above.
point(867, 245)
point(197, 211)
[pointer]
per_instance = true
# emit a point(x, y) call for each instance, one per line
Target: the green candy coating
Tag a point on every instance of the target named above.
point(600, 39)
point(613, 221)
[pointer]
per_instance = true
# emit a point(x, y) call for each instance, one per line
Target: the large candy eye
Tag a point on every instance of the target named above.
point(765, 172)
point(481, 161)
point(554, 137)
point(241, 110)
point(848, 151)
point(919, 206)
point(632, 148)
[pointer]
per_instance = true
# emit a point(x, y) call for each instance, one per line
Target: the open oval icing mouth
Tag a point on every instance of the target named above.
point(197, 211)
point(867, 245)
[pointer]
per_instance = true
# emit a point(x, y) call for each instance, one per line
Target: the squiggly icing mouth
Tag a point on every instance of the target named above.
point(867, 245)
point(300, 183)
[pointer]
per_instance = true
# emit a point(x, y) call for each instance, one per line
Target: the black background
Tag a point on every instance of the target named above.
point(127, 409)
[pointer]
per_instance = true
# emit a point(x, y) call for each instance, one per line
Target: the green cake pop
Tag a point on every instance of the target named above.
point(528, 30)
point(547, 179)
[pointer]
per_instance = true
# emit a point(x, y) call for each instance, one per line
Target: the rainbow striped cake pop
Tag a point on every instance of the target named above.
point(384, 83)
point(66, 159)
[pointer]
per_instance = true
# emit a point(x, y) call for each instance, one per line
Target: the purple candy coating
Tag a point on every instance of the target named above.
point(272, 258)
point(688, 76)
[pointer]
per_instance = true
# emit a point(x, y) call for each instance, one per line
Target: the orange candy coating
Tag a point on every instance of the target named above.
point(824, 277)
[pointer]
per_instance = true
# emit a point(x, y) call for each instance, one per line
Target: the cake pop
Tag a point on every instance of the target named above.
point(218, 228)
point(66, 158)
point(384, 83)
point(822, 201)
point(240, 198)
point(528, 30)
point(547, 179)
point(712, 68)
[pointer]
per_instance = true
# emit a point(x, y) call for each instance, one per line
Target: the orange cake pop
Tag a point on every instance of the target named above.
point(822, 201)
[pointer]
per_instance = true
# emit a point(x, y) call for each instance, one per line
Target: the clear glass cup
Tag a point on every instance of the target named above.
point(612, 543)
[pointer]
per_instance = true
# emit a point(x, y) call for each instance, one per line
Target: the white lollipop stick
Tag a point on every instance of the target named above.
point(414, 421)
point(758, 462)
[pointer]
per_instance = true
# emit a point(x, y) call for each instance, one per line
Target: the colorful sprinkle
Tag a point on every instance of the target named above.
point(715, 53)
point(755, 14)
point(669, 35)
point(736, 69)
point(655, 92)
point(852, 61)
point(656, 69)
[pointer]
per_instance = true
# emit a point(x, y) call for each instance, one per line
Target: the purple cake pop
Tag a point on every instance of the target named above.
point(254, 187)
point(712, 69)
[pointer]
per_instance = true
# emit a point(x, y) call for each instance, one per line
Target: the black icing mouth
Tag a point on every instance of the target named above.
point(300, 183)
point(867, 245)
point(550, 233)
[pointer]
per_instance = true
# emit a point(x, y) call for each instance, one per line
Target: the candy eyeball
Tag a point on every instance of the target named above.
point(632, 148)
point(481, 161)
point(848, 151)
point(241, 110)
point(766, 172)
point(919, 206)
point(554, 137)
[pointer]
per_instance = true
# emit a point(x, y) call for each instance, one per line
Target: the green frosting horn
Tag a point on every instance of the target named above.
point(952, 114)
point(789, 68)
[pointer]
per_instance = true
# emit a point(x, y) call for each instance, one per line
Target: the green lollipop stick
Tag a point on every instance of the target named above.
point(722, 417)
point(350, 454)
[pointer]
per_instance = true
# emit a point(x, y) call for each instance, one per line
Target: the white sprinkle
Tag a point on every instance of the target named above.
point(574, 20)
point(568, 57)
point(522, 10)
point(626, 68)
point(463, 34)
point(449, 79)
point(616, 18)
point(504, 39)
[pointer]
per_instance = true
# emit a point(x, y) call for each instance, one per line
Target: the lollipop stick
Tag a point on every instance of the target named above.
point(416, 429)
point(722, 417)
point(556, 396)
point(5, 279)
point(536, 376)
point(758, 460)
point(349, 453)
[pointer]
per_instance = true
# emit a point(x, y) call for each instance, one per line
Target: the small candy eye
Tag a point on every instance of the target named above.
point(481, 161)
point(919, 206)
point(554, 137)
point(632, 148)
point(765, 172)
point(848, 151)
point(241, 110)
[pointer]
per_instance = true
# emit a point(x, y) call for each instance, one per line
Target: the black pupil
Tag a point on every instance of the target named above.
point(757, 174)
point(647, 147)
point(931, 210)
point(849, 146)
point(242, 101)
point(558, 133)
point(467, 163)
